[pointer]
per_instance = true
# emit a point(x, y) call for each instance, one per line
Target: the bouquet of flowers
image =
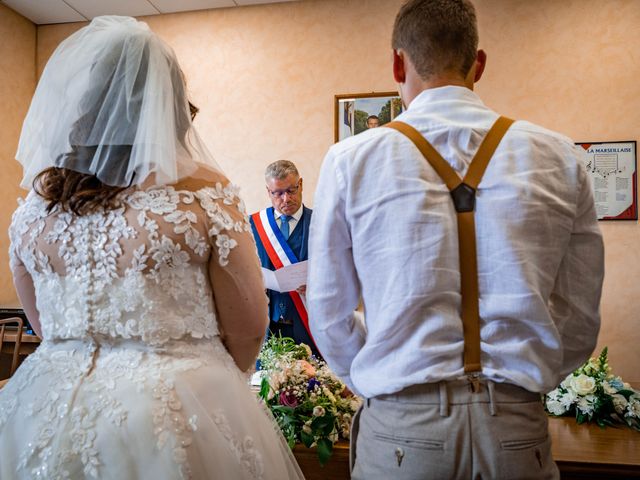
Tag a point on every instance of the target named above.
point(310, 404)
point(593, 394)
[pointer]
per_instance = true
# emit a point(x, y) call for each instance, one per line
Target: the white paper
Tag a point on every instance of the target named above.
point(287, 278)
point(256, 378)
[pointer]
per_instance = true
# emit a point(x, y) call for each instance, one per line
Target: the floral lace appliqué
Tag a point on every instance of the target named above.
point(243, 449)
point(125, 302)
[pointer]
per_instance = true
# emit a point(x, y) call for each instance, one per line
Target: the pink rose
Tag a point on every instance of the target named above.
point(288, 399)
point(307, 368)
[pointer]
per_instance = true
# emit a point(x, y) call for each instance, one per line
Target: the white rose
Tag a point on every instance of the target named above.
point(583, 384)
point(555, 407)
point(586, 404)
point(619, 403)
point(568, 399)
point(318, 411)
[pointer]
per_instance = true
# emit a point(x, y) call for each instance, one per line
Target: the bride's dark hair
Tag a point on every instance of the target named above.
point(75, 192)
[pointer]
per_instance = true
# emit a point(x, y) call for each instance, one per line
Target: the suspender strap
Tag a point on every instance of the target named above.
point(463, 194)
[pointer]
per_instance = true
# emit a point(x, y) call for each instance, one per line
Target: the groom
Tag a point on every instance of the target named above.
point(475, 305)
point(281, 233)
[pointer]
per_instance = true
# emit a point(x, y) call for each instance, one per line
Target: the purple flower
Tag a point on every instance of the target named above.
point(312, 384)
point(288, 399)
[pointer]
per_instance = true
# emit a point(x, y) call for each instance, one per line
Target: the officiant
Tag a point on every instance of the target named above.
point(282, 233)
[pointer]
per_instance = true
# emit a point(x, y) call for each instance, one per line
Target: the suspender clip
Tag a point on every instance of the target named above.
point(474, 382)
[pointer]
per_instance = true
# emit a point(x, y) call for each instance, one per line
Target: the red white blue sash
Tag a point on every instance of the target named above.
point(280, 254)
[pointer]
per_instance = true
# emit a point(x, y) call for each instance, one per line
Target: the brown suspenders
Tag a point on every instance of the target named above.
point(463, 194)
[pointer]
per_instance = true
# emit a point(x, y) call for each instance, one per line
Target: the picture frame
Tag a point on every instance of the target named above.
point(353, 111)
point(613, 170)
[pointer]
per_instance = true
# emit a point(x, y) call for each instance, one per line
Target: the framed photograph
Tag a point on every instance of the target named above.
point(613, 167)
point(357, 112)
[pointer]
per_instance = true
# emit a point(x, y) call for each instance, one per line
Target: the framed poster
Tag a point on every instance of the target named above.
point(613, 170)
point(357, 112)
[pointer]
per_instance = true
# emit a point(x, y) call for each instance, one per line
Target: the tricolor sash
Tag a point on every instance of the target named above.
point(280, 254)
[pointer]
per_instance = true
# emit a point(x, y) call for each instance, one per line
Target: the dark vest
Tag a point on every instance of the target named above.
point(282, 312)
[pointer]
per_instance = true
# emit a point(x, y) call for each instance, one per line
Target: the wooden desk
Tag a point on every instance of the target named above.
point(581, 451)
point(590, 452)
point(336, 469)
point(28, 345)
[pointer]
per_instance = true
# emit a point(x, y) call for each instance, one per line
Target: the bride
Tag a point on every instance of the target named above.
point(134, 262)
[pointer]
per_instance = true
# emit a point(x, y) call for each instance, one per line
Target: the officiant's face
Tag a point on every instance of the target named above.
point(285, 194)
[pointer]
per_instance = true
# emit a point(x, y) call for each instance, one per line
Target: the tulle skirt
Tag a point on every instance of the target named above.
point(83, 409)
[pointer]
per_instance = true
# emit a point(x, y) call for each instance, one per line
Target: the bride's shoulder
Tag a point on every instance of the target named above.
point(206, 185)
point(31, 210)
point(204, 177)
point(31, 203)
point(211, 186)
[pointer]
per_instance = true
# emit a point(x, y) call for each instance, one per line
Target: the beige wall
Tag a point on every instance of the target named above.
point(17, 83)
point(573, 66)
point(265, 76)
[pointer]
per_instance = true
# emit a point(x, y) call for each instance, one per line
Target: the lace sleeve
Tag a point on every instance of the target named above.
point(226, 215)
point(235, 274)
point(22, 280)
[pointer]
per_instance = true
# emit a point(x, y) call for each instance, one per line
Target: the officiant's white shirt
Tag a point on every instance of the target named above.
point(384, 228)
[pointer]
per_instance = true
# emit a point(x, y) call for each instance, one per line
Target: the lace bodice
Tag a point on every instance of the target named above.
point(137, 272)
point(136, 377)
point(127, 301)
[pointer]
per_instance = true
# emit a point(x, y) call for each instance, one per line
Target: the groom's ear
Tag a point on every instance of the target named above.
point(399, 70)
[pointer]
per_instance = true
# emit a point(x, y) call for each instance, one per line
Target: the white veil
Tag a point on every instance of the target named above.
point(112, 102)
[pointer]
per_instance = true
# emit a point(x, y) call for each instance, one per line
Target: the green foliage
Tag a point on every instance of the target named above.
point(277, 347)
point(385, 113)
point(325, 448)
point(360, 121)
point(390, 110)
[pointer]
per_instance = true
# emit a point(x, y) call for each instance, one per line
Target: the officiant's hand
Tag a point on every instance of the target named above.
point(302, 289)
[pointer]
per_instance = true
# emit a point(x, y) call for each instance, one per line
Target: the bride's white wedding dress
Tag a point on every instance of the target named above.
point(132, 380)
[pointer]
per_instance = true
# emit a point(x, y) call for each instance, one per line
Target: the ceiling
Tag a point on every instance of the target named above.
point(43, 12)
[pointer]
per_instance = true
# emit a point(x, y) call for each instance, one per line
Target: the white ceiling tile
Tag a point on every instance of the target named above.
point(255, 2)
point(95, 8)
point(42, 12)
point(45, 11)
point(169, 6)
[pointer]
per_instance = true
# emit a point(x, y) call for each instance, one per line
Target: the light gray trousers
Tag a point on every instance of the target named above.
point(446, 431)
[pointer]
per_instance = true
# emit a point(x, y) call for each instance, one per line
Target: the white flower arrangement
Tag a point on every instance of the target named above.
point(593, 394)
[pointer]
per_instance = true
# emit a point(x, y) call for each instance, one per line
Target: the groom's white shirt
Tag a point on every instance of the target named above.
point(384, 229)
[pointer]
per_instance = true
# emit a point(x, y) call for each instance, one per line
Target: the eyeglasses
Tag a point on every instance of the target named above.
point(289, 191)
